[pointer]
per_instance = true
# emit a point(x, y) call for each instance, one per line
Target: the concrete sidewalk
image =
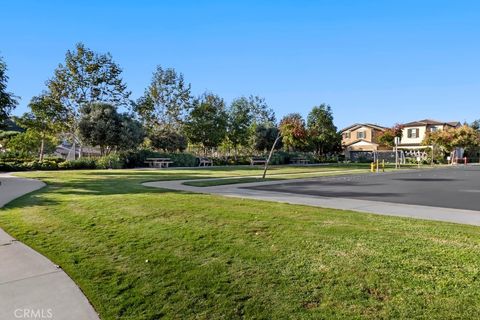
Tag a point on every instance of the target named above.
point(377, 207)
point(31, 286)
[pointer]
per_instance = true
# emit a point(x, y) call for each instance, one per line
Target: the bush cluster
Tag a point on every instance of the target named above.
point(19, 162)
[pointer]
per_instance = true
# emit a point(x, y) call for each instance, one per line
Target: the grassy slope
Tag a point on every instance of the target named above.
point(214, 257)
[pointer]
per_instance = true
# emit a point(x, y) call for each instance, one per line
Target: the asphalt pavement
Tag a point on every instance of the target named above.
point(453, 187)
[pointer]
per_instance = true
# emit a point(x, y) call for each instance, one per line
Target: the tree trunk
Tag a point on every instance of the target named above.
point(42, 147)
point(270, 155)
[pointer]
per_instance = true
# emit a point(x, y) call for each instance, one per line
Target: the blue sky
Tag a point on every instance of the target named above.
point(373, 61)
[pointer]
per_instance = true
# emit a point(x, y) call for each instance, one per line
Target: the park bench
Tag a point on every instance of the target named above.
point(299, 161)
point(257, 160)
point(205, 162)
point(158, 162)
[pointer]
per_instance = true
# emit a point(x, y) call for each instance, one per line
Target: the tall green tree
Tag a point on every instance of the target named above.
point(166, 101)
point(47, 117)
point(30, 141)
point(101, 125)
point(293, 132)
point(207, 121)
point(240, 117)
point(130, 133)
point(163, 109)
point(322, 132)
point(261, 112)
point(87, 77)
point(265, 136)
point(8, 101)
point(168, 140)
point(244, 115)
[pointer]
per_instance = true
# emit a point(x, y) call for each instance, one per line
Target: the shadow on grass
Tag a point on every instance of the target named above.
point(98, 186)
point(31, 199)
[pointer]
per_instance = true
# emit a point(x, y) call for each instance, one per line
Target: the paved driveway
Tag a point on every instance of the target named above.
point(454, 187)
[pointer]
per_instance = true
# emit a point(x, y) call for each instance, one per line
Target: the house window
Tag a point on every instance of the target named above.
point(361, 135)
point(433, 129)
point(413, 133)
point(346, 135)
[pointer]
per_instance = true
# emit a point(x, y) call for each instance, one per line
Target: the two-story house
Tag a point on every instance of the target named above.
point(414, 132)
point(361, 137)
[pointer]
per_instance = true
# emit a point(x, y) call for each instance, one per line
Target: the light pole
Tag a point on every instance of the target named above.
point(397, 141)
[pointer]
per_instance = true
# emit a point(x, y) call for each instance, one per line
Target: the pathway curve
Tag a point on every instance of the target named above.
point(377, 207)
point(31, 286)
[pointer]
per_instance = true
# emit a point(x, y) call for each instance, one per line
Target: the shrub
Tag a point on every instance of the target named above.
point(112, 161)
point(16, 156)
point(83, 163)
point(181, 159)
point(21, 165)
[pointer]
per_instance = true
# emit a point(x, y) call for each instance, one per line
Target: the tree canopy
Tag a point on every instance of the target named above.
point(166, 101)
point(8, 101)
point(168, 140)
point(293, 131)
point(101, 125)
point(47, 117)
point(451, 138)
point(87, 77)
point(323, 135)
point(265, 136)
point(240, 118)
point(207, 121)
point(387, 138)
point(244, 114)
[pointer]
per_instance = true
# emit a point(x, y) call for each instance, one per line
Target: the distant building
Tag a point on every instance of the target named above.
point(361, 137)
point(66, 151)
point(414, 132)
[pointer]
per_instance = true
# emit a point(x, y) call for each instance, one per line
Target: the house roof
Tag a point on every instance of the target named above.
point(358, 125)
point(427, 122)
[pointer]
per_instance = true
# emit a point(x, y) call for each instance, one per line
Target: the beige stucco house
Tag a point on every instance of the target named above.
point(361, 137)
point(414, 132)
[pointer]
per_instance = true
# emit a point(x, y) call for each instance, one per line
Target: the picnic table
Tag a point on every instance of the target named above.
point(257, 160)
point(203, 161)
point(299, 161)
point(158, 162)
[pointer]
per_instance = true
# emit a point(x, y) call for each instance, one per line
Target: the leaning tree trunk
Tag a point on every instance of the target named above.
point(270, 155)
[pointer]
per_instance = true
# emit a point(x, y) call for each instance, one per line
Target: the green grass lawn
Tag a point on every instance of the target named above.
point(211, 257)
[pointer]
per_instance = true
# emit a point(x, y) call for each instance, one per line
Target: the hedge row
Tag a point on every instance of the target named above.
point(12, 162)
point(113, 161)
